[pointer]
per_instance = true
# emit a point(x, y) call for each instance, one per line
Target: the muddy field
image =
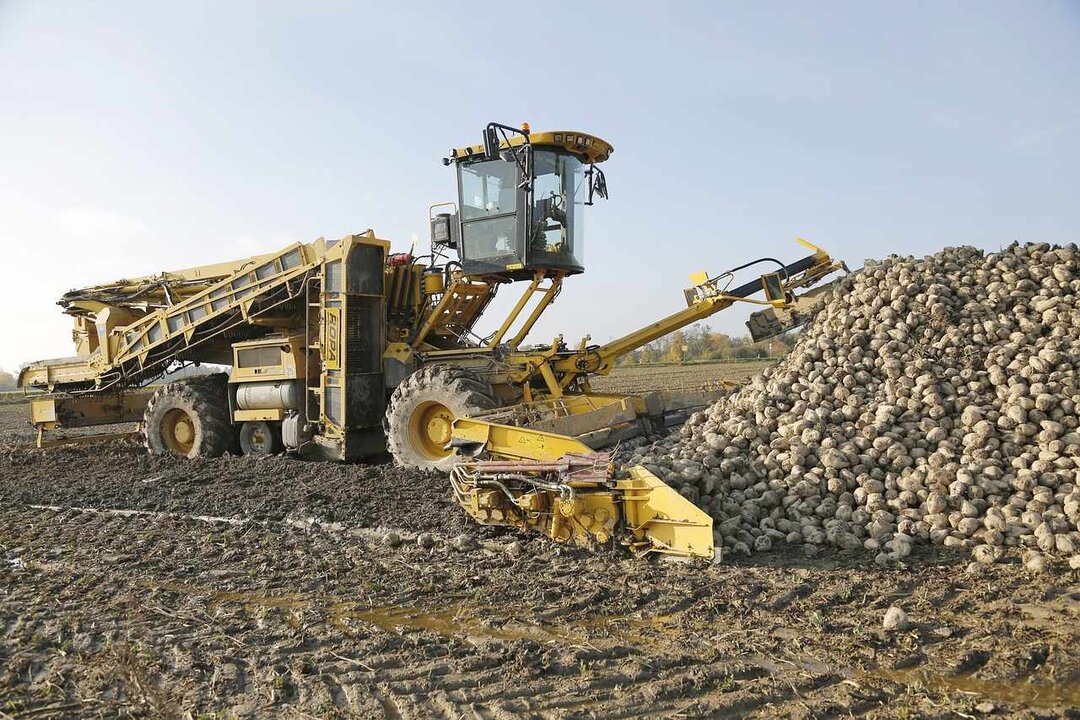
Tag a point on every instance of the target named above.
point(133, 586)
point(703, 376)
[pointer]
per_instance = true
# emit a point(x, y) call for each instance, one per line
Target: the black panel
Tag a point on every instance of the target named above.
point(365, 397)
point(362, 444)
point(363, 336)
point(364, 275)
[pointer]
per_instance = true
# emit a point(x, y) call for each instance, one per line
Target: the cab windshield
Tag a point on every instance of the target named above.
point(489, 204)
point(558, 211)
point(504, 227)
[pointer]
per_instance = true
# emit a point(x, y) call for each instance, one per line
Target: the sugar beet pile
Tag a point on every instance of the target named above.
point(932, 400)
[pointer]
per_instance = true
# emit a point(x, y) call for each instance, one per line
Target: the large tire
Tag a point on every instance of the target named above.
point(421, 409)
point(190, 418)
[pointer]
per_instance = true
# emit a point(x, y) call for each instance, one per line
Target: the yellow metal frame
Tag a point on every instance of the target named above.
point(559, 369)
point(333, 320)
point(656, 517)
point(661, 519)
point(465, 300)
point(507, 441)
point(270, 414)
point(547, 296)
point(73, 411)
point(592, 148)
point(237, 291)
point(458, 308)
point(293, 365)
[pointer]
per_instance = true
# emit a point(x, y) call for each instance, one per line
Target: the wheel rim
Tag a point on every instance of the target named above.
point(260, 440)
point(429, 429)
point(178, 431)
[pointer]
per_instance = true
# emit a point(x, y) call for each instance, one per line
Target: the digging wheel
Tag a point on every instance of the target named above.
point(190, 418)
point(422, 409)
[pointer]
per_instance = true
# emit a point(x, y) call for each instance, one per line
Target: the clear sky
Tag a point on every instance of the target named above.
point(144, 136)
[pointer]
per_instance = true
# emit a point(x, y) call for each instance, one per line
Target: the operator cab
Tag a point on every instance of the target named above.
point(521, 202)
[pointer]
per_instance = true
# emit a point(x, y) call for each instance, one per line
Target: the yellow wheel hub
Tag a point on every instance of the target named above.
point(429, 429)
point(178, 431)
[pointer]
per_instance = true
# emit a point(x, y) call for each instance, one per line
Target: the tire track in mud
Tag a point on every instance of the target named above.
point(157, 612)
point(154, 615)
point(426, 662)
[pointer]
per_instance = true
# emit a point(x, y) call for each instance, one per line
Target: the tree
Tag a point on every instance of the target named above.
point(678, 349)
point(699, 342)
point(7, 380)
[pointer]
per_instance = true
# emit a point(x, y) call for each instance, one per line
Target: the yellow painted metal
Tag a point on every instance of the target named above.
point(405, 288)
point(558, 486)
point(586, 415)
point(546, 299)
point(536, 412)
point(178, 431)
point(434, 283)
point(547, 296)
point(49, 374)
point(661, 519)
point(553, 385)
point(586, 519)
point(454, 315)
point(43, 411)
point(289, 353)
point(71, 411)
point(331, 338)
point(180, 283)
point(129, 332)
point(592, 148)
point(518, 307)
point(399, 351)
point(340, 312)
point(255, 415)
point(429, 429)
point(237, 291)
point(506, 441)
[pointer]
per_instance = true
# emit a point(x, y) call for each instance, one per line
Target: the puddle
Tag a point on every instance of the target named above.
point(480, 622)
point(249, 600)
point(1022, 693)
point(253, 601)
point(453, 620)
point(458, 619)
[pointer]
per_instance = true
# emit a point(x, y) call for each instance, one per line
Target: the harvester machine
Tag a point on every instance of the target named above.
point(343, 350)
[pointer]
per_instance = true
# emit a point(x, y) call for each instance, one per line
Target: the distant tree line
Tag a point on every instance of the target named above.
point(7, 380)
point(700, 342)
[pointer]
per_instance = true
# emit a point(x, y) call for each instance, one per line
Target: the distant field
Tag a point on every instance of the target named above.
point(696, 376)
point(625, 378)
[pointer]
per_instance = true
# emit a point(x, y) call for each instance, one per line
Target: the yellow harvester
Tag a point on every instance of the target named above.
point(342, 350)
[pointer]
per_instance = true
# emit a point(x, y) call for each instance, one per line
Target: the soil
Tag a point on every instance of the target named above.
point(133, 586)
point(696, 376)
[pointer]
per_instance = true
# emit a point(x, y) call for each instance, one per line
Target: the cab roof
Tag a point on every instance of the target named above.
point(588, 147)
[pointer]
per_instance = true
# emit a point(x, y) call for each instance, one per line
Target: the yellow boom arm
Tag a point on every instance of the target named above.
point(559, 369)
